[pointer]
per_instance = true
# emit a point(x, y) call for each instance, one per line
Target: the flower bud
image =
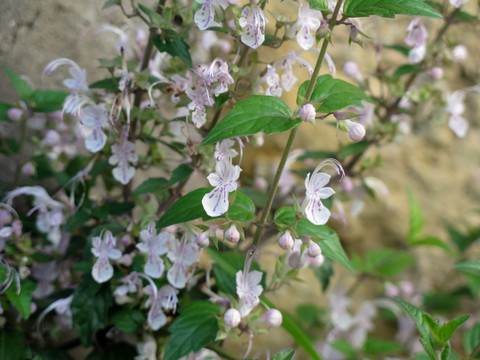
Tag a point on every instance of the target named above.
point(126, 260)
point(260, 184)
point(286, 241)
point(273, 318)
point(460, 53)
point(14, 114)
point(351, 70)
point(5, 217)
point(28, 169)
point(347, 184)
point(316, 261)
point(356, 131)
point(294, 260)
point(232, 317)
point(232, 234)
point(342, 115)
point(126, 241)
point(436, 73)
point(314, 250)
point(307, 113)
point(33, 307)
point(51, 138)
point(202, 240)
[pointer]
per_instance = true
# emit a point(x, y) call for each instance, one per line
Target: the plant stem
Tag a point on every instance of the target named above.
point(288, 146)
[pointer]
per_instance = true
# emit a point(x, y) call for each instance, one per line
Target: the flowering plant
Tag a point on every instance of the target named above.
point(135, 221)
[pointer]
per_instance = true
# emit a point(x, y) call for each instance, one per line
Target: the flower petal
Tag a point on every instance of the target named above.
point(102, 271)
point(154, 267)
point(215, 202)
point(316, 213)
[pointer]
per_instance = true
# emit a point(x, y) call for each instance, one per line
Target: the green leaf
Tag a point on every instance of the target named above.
point(473, 283)
point(284, 355)
point(250, 116)
point(309, 313)
point(324, 273)
point(416, 217)
point(305, 227)
point(224, 281)
point(469, 267)
point(182, 172)
point(4, 111)
point(187, 208)
point(22, 87)
point(374, 346)
point(151, 185)
point(321, 5)
point(285, 216)
point(445, 354)
point(90, 308)
point(431, 241)
point(129, 321)
point(291, 326)
point(175, 45)
point(77, 220)
point(345, 347)
point(109, 84)
point(333, 94)
point(13, 346)
point(399, 48)
point(471, 339)
point(388, 8)
point(243, 209)
point(417, 316)
point(23, 301)
point(354, 148)
point(48, 100)
point(406, 69)
point(386, 262)
point(447, 330)
point(195, 328)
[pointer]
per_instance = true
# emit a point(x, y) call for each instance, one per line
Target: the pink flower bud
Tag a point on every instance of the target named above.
point(460, 53)
point(14, 114)
point(273, 318)
point(33, 307)
point(294, 260)
point(232, 234)
point(316, 261)
point(356, 131)
point(314, 250)
point(436, 73)
point(347, 185)
point(126, 241)
point(51, 138)
point(232, 317)
point(28, 169)
point(126, 260)
point(219, 233)
point(202, 240)
point(5, 217)
point(307, 113)
point(260, 184)
point(351, 70)
point(342, 115)
point(286, 241)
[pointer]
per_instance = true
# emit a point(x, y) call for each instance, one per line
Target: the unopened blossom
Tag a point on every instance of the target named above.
point(204, 17)
point(273, 318)
point(153, 245)
point(460, 53)
point(232, 234)
point(456, 107)
point(436, 73)
point(14, 114)
point(104, 249)
point(356, 131)
point(248, 287)
point(253, 21)
point(50, 212)
point(307, 113)
point(352, 70)
point(224, 179)
point(183, 253)
point(202, 240)
point(95, 118)
point(123, 155)
point(51, 138)
point(286, 240)
point(307, 24)
point(457, 3)
point(313, 250)
point(232, 317)
point(28, 169)
point(315, 211)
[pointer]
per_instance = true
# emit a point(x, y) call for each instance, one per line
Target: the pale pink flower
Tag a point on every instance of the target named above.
point(307, 24)
point(123, 155)
point(204, 17)
point(153, 245)
point(182, 254)
point(224, 179)
point(78, 82)
point(95, 118)
point(248, 287)
point(458, 3)
point(104, 249)
point(253, 21)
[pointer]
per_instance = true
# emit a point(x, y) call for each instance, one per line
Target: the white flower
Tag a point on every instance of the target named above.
point(252, 21)
point(232, 317)
point(224, 150)
point(95, 118)
point(104, 249)
point(273, 81)
point(153, 245)
point(159, 300)
point(123, 155)
point(182, 254)
point(457, 3)
point(224, 179)
point(307, 24)
point(248, 287)
point(205, 15)
point(316, 191)
point(50, 215)
point(147, 350)
point(78, 81)
point(459, 125)
point(456, 107)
